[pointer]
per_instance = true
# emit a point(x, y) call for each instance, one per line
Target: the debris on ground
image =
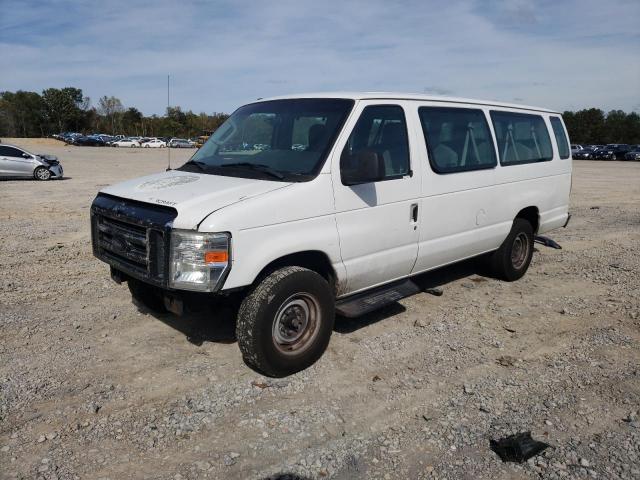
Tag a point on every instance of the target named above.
point(436, 291)
point(517, 448)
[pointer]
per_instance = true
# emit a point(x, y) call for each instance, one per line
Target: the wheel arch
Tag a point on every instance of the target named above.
point(315, 260)
point(532, 215)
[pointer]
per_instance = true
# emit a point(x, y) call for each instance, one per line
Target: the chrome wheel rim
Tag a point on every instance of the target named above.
point(520, 250)
point(296, 324)
point(43, 174)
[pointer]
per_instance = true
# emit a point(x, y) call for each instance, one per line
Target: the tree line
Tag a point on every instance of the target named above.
point(56, 110)
point(592, 127)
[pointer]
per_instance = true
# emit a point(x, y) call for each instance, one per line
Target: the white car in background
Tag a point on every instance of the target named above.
point(155, 143)
point(126, 142)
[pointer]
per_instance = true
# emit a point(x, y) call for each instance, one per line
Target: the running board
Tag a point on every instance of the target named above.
point(365, 302)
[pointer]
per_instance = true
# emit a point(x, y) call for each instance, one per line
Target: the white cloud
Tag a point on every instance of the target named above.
point(220, 54)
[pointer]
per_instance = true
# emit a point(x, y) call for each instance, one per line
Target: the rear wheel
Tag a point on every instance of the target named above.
point(285, 323)
point(511, 261)
point(42, 173)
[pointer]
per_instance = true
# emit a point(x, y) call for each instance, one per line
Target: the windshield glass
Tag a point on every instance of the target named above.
point(285, 140)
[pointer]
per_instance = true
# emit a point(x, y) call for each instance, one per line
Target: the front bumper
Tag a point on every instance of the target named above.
point(56, 170)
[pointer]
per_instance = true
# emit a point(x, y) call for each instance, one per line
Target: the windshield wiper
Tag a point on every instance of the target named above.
point(256, 166)
point(200, 165)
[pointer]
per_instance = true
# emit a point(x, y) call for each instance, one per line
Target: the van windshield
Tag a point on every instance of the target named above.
point(285, 140)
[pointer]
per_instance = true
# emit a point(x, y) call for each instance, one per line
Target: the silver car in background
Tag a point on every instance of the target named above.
point(17, 162)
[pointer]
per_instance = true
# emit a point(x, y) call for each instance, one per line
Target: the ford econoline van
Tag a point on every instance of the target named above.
point(310, 205)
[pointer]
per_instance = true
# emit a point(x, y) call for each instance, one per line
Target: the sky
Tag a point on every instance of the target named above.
point(564, 55)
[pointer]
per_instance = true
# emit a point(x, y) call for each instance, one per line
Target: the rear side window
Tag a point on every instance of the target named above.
point(561, 137)
point(381, 129)
point(458, 139)
point(521, 137)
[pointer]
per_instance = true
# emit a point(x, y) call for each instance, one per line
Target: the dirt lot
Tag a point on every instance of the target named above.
point(91, 387)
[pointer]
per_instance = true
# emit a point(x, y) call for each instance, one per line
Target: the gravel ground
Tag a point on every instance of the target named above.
point(93, 387)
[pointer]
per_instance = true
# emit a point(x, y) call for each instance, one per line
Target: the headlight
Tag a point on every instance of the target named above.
point(199, 261)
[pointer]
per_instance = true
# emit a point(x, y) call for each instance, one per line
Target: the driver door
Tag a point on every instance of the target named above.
point(378, 221)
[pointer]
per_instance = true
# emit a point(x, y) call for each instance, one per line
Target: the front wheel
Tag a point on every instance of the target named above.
point(511, 261)
point(285, 323)
point(42, 173)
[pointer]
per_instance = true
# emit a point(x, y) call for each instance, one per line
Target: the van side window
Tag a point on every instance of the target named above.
point(521, 137)
point(381, 129)
point(458, 139)
point(561, 137)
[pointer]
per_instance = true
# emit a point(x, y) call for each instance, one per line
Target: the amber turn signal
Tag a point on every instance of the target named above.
point(216, 257)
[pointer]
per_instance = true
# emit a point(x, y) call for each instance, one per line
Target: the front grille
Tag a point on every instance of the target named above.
point(124, 242)
point(132, 237)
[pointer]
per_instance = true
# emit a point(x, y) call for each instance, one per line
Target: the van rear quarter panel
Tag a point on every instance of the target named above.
point(297, 218)
point(468, 213)
point(545, 185)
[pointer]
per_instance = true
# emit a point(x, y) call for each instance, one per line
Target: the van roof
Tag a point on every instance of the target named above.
point(407, 96)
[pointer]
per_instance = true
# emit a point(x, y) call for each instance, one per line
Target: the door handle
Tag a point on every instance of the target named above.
point(414, 212)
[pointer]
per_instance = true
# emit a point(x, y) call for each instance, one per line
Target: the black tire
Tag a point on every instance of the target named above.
point(511, 261)
point(285, 323)
point(42, 173)
point(146, 295)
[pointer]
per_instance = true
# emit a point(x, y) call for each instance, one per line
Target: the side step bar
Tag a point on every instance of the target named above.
point(371, 300)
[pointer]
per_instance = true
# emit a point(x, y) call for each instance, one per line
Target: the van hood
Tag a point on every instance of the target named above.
point(193, 195)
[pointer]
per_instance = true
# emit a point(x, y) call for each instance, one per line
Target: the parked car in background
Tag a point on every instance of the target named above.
point(17, 162)
point(613, 151)
point(584, 154)
point(180, 143)
point(69, 137)
point(576, 148)
point(154, 143)
point(634, 154)
point(89, 141)
point(126, 142)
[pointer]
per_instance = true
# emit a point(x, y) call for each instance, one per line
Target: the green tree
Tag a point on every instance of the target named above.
point(23, 114)
point(64, 108)
point(111, 108)
point(132, 121)
point(586, 126)
point(631, 128)
point(615, 127)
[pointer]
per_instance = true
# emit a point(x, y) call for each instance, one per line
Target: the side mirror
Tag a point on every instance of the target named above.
point(26, 155)
point(368, 168)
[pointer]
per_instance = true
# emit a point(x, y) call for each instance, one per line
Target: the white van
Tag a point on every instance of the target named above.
point(346, 197)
